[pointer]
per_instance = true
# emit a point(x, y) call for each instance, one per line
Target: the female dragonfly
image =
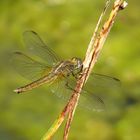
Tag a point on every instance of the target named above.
point(61, 75)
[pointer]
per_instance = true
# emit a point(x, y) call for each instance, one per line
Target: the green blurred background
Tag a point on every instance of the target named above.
point(67, 27)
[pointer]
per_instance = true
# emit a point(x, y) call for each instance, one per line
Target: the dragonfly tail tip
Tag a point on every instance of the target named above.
point(16, 91)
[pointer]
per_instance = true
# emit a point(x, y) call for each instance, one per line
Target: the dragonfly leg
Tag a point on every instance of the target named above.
point(74, 75)
point(77, 74)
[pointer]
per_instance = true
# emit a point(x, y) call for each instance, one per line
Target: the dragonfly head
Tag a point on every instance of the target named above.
point(77, 62)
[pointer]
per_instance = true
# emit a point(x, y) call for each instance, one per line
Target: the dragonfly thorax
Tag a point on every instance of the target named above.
point(71, 66)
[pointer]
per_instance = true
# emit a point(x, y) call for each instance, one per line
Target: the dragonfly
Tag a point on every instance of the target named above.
point(60, 75)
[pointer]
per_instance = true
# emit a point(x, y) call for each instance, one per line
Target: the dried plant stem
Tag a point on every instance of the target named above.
point(72, 110)
point(92, 54)
point(93, 51)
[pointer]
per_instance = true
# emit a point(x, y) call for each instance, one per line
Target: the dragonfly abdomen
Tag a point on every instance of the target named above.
point(37, 83)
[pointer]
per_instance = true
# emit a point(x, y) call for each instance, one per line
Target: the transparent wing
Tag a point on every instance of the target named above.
point(39, 48)
point(88, 100)
point(27, 67)
point(65, 86)
point(91, 101)
point(59, 89)
point(99, 83)
point(99, 93)
point(106, 88)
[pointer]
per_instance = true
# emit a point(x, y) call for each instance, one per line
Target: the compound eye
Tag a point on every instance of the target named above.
point(74, 59)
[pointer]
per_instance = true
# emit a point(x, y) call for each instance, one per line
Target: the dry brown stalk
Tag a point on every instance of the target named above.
point(92, 54)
